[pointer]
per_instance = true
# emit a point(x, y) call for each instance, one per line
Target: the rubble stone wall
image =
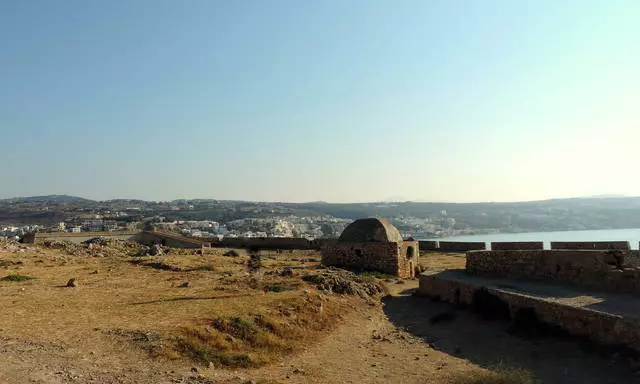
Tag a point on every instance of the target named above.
point(428, 245)
point(516, 245)
point(592, 269)
point(461, 246)
point(170, 240)
point(603, 328)
point(79, 237)
point(388, 258)
point(590, 245)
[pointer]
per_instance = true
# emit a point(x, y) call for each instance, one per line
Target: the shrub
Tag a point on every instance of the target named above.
point(17, 277)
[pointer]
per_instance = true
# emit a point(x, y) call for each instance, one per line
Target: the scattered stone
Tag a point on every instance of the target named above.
point(231, 253)
point(194, 369)
point(184, 285)
point(156, 250)
point(344, 282)
point(298, 371)
point(94, 272)
point(71, 283)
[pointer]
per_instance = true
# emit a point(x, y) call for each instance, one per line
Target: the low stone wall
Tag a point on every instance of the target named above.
point(383, 257)
point(516, 245)
point(271, 243)
point(461, 246)
point(79, 237)
point(590, 245)
point(600, 327)
point(170, 240)
point(428, 245)
point(591, 269)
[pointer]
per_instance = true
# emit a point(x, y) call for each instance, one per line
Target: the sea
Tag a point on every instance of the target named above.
point(630, 235)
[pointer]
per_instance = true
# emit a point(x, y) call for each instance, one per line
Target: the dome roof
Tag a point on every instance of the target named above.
point(370, 230)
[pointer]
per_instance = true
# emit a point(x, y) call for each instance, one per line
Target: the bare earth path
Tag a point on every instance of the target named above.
point(400, 345)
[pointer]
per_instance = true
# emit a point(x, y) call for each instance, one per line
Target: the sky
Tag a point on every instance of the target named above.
point(338, 101)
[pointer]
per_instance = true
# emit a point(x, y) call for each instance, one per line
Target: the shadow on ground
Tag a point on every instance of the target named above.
point(460, 333)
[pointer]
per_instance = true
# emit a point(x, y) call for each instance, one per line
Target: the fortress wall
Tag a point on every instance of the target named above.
point(270, 243)
point(516, 245)
point(170, 240)
point(592, 269)
point(80, 236)
point(461, 246)
point(428, 245)
point(603, 328)
point(590, 245)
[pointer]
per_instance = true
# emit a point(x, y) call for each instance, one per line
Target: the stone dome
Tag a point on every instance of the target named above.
point(370, 230)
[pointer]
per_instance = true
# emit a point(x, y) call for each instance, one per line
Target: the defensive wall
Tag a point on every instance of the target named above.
point(78, 237)
point(590, 245)
point(602, 270)
point(588, 293)
point(465, 246)
point(144, 237)
point(170, 240)
point(606, 319)
point(271, 243)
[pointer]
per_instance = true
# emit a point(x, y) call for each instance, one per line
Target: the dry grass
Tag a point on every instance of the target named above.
point(439, 260)
point(16, 277)
point(226, 315)
point(500, 375)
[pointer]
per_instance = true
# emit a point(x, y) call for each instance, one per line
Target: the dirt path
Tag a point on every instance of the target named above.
point(396, 343)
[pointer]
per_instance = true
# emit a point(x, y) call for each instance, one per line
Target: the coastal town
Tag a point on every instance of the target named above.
point(207, 218)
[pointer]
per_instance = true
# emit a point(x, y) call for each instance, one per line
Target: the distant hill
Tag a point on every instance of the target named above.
point(49, 199)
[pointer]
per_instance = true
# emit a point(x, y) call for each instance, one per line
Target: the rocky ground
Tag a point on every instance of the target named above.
point(277, 318)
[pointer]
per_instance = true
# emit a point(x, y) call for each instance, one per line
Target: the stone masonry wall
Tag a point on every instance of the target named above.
point(590, 269)
point(382, 257)
point(407, 263)
point(590, 245)
point(598, 326)
point(461, 246)
point(516, 245)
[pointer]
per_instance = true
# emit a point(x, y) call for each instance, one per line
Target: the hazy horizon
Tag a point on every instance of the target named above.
point(456, 101)
point(387, 201)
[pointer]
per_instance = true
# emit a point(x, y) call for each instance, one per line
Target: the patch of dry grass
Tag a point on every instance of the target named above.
point(199, 322)
point(16, 278)
point(261, 336)
point(500, 375)
point(439, 260)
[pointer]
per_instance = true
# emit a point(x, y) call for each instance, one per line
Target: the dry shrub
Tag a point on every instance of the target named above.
point(345, 282)
point(256, 339)
point(16, 277)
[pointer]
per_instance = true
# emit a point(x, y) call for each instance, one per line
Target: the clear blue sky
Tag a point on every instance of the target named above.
point(320, 100)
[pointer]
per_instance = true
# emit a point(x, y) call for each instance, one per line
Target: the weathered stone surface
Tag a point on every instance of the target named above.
point(593, 269)
point(590, 245)
point(461, 246)
point(380, 248)
point(516, 245)
point(610, 321)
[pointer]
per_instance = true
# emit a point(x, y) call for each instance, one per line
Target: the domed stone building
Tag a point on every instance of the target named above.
point(373, 244)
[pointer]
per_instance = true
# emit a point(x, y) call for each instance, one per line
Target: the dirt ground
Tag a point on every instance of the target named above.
point(100, 331)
